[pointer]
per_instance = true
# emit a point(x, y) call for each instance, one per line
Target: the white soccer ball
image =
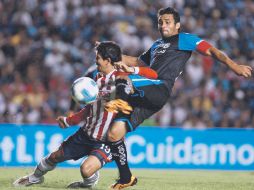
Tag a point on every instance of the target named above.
point(84, 90)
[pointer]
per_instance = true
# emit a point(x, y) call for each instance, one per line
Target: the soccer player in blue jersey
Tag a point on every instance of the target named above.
point(167, 56)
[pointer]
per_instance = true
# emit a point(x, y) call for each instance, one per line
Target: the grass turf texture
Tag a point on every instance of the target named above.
point(147, 179)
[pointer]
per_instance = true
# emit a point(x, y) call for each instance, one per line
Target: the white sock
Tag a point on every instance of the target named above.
point(33, 178)
point(43, 167)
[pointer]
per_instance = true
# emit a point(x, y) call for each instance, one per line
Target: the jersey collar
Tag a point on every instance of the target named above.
point(168, 39)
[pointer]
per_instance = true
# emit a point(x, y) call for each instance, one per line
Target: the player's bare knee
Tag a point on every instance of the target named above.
point(114, 135)
point(110, 136)
point(117, 132)
point(86, 170)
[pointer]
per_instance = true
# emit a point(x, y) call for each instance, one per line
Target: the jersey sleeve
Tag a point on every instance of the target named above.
point(191, 42)
point(145, 57)
point(76, 118)
point(203, 46)
point(147, 72)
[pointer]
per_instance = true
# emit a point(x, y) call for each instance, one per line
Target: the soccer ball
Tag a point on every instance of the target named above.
point(84, 90)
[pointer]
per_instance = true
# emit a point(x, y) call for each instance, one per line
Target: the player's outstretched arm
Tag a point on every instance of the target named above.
point(142, 71)
point(132, 61)
point(76, 118)
point(241, 70)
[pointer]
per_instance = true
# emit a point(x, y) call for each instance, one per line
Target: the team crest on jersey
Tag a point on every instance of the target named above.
point(164, 46)
point(161, 48)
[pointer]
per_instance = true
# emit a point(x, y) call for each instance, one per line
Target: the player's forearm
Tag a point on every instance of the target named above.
point(223, 58)
point(143, 71)
point(130, 61)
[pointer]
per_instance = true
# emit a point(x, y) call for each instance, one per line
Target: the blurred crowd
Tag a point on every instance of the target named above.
point(46, 44)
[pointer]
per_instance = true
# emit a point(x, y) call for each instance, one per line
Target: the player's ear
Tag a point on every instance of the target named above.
point(109, 61)
point(178, 25)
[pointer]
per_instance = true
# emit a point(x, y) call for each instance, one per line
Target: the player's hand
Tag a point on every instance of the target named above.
point(61, 123)
point(120, 66)
point(243, 70)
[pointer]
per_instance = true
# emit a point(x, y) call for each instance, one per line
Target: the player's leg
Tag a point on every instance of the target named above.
point(136, 91)
point(123, 89)
point(115, 138)
point(123, 124)
point(89, 172)
point(46, 164)
point(118, 130)
point(141, 95)
point(90, 166)
point(69, 149)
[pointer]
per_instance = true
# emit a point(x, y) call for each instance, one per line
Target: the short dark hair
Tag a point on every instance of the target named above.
point(169, 10)
point(109, 49)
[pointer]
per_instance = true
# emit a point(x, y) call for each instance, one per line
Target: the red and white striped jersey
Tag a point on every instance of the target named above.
point(96, 120)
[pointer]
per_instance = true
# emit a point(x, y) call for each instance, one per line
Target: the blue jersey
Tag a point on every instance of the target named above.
point(168, 56)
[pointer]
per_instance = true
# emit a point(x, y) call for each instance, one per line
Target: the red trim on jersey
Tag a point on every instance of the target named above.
point(104, 119)
point(98, 107)
point(97, 117)
point(148, 72)
point(143, 71)
point(103, 155)
point(203, 46)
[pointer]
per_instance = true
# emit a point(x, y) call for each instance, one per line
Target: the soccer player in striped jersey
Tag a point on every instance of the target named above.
point(167, 56)
point(90, 139)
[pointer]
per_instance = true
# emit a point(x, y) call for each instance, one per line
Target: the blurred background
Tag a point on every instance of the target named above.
point(46, 44)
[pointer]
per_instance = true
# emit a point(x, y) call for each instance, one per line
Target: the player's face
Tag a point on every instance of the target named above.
point(102, 64)
point(167, 25)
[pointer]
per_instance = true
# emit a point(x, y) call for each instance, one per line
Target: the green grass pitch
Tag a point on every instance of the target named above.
point(147, 179)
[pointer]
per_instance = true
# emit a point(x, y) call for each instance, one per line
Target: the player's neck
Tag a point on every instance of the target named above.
point(108, 71)
point(170, 37)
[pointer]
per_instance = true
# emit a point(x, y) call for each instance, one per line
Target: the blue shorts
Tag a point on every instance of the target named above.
point(80, 144)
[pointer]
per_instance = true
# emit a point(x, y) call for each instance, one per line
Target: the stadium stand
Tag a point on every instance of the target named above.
point(45, 45)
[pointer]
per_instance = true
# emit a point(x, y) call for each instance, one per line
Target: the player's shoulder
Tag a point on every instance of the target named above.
point(188, 41)
point(187, 35)
point(156, 42)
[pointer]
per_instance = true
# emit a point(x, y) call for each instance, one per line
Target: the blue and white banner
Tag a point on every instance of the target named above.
point(148, 147)
point(229, 149)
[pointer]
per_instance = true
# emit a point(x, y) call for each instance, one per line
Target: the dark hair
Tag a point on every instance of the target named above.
point(169, 10)
point(109, 49)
